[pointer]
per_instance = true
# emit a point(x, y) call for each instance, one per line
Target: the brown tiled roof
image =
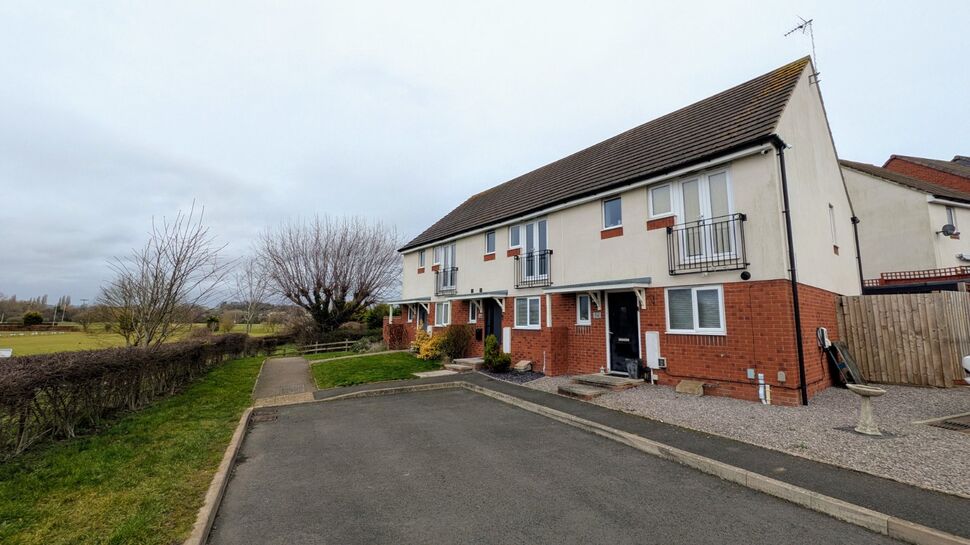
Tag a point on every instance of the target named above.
point(908, 181)
point(728, 121)
point(961, 160)
point(955, 167)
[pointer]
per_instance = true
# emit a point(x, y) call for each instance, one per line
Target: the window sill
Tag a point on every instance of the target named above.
point(611, 232)
point(489, 257)
point(527, 328)
point(697, 333)
point(584, 324)
point(512, 252)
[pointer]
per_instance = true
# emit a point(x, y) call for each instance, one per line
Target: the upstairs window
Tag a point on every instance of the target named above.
point(514, 238)
point(612, 214)
point(420, 258)
point(660, 201)
point(490, 242)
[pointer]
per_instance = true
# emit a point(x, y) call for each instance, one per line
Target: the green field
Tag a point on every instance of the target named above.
point(364, 369)
point(47, 343)
point(141, 480)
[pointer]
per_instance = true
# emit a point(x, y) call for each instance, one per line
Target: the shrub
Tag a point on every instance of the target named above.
point(363, 345)
point(56, 395)
point(227, 321)
point(397, 337)
point(429, 348)
point(199, 333)
point(495, 360)
point(420, 338)
point(457, 339)
point(33, 318)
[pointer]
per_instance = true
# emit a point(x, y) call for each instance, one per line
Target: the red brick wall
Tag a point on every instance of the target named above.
point(409, 327)
point(927, 174)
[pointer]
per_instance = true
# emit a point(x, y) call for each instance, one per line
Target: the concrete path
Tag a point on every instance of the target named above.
point(934, 509)
point(452, 466)
point(284, 379)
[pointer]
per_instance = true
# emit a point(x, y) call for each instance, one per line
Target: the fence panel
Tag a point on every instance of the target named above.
point(915, 338)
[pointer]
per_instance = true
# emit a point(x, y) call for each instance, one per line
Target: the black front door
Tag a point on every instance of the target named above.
point(493, 319)
point(623, 332)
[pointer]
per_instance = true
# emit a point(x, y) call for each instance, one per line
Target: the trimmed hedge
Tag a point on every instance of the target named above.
point(56, 395)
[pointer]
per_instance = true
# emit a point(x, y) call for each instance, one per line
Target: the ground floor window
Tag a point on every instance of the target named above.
point(442, 313)
point(695, 310)
point(410, 313)
point(582, 309)
point(527, 312)
point(472, 312)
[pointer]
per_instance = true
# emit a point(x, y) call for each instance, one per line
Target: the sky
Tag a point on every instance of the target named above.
point(112, 113)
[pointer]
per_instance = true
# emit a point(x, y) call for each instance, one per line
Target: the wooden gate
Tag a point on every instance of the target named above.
point(917, 338)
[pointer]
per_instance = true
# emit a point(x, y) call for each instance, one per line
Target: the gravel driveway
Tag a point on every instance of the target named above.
point(917, 454)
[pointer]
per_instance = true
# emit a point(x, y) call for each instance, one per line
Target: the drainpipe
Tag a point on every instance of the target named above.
point(858, 253)
point(796, 308)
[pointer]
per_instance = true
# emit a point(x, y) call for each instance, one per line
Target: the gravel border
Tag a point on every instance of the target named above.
point(513, 377)
point(916, 454)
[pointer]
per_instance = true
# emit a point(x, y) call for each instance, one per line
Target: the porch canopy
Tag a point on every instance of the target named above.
point(499, 297)
point(636, 285)
point(423, 301)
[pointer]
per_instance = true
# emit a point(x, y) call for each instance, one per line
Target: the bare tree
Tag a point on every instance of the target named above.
point(331, 267)
point(251, 288)
point(178, 268)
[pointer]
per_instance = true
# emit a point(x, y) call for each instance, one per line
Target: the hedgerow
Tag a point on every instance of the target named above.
point(55, 396)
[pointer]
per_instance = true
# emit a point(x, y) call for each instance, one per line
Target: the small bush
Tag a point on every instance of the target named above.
point(362, 345)
point(199, 333)
point(33, 318)
point(495, 360)
point(457, 339)
point(430, 347)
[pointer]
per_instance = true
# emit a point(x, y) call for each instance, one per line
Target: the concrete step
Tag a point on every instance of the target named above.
point(438, 373)
point(582, 391)
point(474, 363)
point(610, 382)
point(460, 367)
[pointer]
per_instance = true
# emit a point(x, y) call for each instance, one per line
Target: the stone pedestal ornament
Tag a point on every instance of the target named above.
point(867, 423)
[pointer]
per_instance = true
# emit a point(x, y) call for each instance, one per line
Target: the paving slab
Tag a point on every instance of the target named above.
point(453, 466)
point(610, 382)
point(582, 391)
point(432, 374)
point(284, 377)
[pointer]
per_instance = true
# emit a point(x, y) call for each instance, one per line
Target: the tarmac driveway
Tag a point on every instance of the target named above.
point(452, 466)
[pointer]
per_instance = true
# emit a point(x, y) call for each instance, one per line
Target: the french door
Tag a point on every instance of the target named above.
point(447, 260)
point(535, 262)
point(706, 204)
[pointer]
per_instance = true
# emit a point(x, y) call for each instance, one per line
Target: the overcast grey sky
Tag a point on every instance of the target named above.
point(114, 112)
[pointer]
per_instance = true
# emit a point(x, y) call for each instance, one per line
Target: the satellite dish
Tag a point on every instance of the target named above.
point(948, 230)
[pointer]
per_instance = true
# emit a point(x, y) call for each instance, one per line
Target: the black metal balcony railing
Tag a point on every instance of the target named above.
point(446, 281)
point(533, 269)
point(707, 245)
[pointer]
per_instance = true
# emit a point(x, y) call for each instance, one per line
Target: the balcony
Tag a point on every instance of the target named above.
point(446, 281)
point(532, 270)
point(707, 245)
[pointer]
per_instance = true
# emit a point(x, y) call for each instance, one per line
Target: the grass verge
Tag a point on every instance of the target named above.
point(141, 480)
point(376, 368)
point(329, 355)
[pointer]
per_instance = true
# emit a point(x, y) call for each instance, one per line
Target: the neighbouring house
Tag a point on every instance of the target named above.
point(904, 241)
point(954, 174)
point(669, 242)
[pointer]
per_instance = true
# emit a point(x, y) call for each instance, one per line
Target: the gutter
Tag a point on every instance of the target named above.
point(780, 146)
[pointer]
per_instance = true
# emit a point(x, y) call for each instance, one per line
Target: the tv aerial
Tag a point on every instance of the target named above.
point(805, 27)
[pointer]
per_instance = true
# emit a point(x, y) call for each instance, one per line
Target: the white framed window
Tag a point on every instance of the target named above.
point(437, 254)
point(582, 309)
point(442, 313)
point(661, 201)
point(472, 312)
point(612, 213)
point(410, 313)
point(515, 240)
point(951, 216)
point(835, 234)
point(490, 242)
point(527, 312)
point(420, 258)
point(695, 310)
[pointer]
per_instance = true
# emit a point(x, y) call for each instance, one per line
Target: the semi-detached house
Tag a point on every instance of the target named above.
point(669, 243)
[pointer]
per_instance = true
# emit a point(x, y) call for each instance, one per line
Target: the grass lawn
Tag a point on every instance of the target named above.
point(376, 368)
point(140, 481)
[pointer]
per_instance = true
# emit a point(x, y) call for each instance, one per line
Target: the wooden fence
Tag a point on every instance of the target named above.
point(917, 338)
